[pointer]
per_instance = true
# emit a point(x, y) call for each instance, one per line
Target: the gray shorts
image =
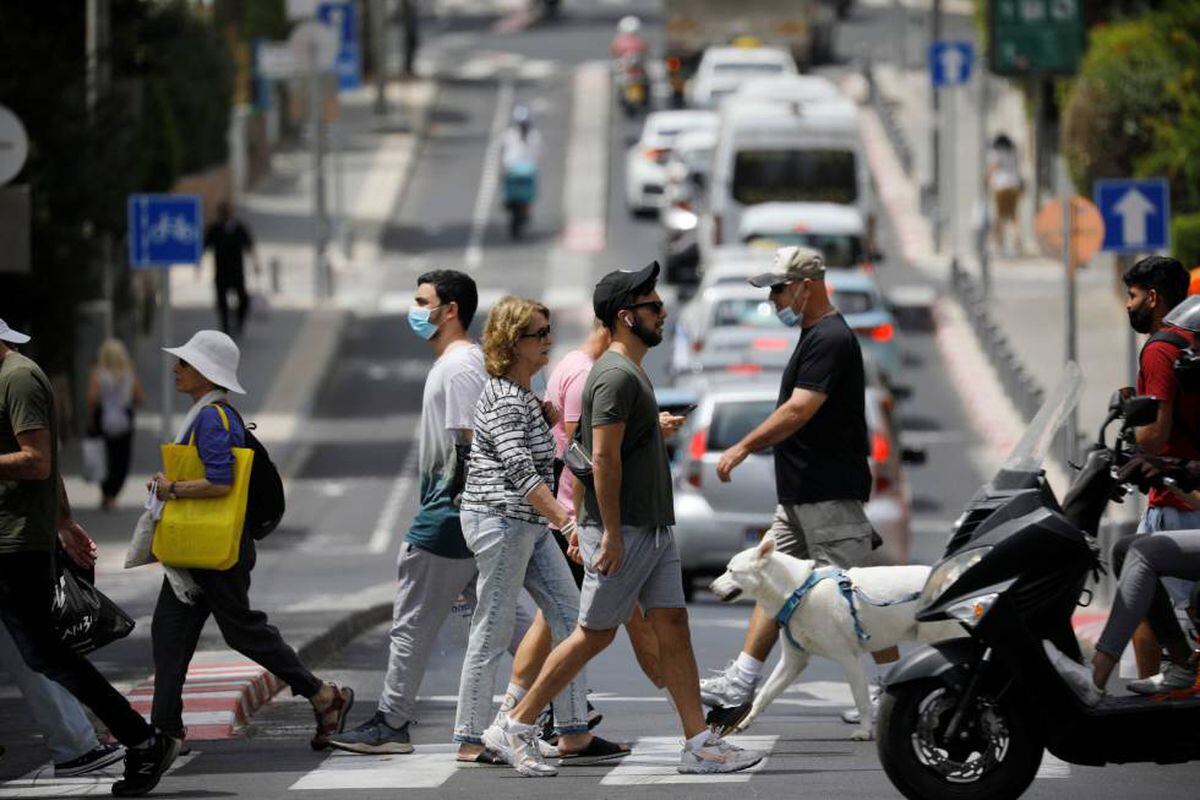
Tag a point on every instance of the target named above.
point(833, 532)
point(650, 573)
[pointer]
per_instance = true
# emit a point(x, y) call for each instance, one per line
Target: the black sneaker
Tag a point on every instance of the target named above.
point(144, 766)
point(98, 757)
point(374, 736)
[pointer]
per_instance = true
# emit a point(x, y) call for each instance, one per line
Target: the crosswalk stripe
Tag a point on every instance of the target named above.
point(1053, 768)
point(655, 760)
point(427, 768)
point(42, 783)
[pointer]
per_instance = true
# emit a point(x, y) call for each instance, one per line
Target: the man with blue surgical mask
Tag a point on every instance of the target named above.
point(434, 565)
point(819, 434)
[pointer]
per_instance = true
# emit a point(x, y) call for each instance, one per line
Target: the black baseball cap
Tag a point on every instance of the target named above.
point(615, 289)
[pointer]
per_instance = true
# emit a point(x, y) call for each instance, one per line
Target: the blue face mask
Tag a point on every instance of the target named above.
point(787, 316)
point(418, 320)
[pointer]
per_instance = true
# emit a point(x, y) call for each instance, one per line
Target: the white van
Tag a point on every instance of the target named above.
point(772, 152)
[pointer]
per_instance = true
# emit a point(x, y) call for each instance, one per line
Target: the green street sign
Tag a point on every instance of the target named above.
point(1035, 37)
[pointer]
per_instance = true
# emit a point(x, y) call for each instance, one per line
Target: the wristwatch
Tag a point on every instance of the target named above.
point(171, 491)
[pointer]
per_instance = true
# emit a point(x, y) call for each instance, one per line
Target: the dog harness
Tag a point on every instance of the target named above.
point(848, 591)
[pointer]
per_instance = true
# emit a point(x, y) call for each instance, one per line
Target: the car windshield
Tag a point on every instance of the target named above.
point(841, 250)
point(1035, 443)
point(733, 420)
point(764, 176)
point(747, 68)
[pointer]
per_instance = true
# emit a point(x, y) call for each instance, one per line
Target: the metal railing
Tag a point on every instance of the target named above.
point(887, 116)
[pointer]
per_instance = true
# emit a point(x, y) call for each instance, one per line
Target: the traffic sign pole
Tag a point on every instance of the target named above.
point(1071, 347)
point(168, 376)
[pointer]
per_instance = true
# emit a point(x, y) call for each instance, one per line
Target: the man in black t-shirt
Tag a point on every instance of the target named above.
point(230, 240)
point(819, 433)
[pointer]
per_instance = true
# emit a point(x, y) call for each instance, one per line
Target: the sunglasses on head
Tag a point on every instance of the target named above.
point(540, 333)
point(654, 305)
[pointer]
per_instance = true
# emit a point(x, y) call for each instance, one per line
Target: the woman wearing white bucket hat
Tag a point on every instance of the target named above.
point(206, 371)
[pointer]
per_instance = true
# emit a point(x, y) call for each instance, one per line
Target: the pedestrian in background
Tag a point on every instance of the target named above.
point(206, 370)
point(1005, 183)
point(1154, 286)
point(35, 516)
point(506, 505)
point(435, 565)
point(114, 394)
point(624, 537)
point(819, 435)
point(230, 241)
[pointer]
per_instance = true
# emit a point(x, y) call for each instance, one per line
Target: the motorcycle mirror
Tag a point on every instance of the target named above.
point(1140, 410)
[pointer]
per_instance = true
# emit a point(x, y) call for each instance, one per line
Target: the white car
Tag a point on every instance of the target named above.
point(789, 89)
point(836, 231)
point(646, 161)
point(722, 71)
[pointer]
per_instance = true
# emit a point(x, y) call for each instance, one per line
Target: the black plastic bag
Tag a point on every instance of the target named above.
point(86, 620)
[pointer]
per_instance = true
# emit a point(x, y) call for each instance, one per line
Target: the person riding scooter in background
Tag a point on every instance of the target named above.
point(520, 152)
point(628, 41)
point(629, 51)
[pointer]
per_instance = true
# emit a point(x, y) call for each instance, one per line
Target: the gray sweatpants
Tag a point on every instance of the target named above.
point(428, 586)
point(1173, 553)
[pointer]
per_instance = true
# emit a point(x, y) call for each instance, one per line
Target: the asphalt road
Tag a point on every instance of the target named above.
point(346, 517)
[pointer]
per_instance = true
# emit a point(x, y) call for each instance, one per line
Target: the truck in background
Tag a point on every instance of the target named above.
point(804, 27)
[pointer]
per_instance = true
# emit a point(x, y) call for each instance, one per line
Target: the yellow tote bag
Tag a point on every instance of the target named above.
point(202, 533)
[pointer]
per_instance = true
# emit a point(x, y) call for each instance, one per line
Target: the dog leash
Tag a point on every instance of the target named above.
point(848, 591)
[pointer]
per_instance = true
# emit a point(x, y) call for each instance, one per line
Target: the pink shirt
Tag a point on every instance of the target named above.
point(564, 390)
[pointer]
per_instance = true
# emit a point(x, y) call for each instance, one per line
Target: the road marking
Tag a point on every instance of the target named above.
point(1053, 768)
point(385, 528)
point(42, 783)
point(490, 176)
point(428, 767)
point(655, 759)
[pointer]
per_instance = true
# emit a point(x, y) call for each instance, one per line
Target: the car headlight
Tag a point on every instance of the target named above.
point(971, 610)
point(946, 573)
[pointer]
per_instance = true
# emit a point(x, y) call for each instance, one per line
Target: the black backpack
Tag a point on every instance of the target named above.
point(265, 504)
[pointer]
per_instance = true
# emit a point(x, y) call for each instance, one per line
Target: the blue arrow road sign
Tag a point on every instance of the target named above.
point(165, 229)
point(950, 63)
point(1137, 213)
point(343, 18)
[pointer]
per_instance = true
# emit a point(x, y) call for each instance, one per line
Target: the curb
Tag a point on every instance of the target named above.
point(220, 698)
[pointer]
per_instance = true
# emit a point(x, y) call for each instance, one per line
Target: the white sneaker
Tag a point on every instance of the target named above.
point(519, 749)
point(851, 716)
point(716, 755)
point(1077, 676)
point(726, 689)
point(1172, 679)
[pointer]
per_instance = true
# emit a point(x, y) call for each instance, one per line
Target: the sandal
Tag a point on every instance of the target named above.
point(484, 757)
point(598, 750)
point(332, 718)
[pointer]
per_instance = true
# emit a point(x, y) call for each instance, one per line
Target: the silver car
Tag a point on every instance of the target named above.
point(715, 520)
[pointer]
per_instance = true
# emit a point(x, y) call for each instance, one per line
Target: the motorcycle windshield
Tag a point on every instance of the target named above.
point(1035, 443)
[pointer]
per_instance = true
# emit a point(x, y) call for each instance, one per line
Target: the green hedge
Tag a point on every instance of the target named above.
point(1185, 239)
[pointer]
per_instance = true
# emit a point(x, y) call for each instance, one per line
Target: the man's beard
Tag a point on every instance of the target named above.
point(649, 336)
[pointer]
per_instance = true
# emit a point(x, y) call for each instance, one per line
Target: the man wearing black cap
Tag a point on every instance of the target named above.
point(624, 536)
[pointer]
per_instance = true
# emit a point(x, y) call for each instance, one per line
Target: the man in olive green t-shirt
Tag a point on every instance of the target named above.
point(34, 513)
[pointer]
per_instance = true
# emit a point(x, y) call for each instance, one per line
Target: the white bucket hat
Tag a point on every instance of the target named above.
point(214, 355)
point(7, 334)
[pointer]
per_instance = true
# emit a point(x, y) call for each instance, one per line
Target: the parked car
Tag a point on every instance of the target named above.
point(683, 198)
point(723, 70)
point(771, 152)
point(646, 161)
point(737, 317)
point(714, 520)
point(838, 232)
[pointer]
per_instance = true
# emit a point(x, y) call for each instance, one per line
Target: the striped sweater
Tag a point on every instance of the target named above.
point(512, 452)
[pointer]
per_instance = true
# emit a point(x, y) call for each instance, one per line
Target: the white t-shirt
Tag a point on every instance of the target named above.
point(516, 151)
point(448, 405)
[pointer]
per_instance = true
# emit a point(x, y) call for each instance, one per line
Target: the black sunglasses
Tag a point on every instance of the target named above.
point(654, 305)
point(540, 333)
point(776, 288)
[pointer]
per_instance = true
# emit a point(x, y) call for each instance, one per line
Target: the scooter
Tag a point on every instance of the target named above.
point(520, 190)
point(633, 85)
point(972, 716)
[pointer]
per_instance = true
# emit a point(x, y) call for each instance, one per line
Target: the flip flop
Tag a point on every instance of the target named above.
point(484, 757)
point(598, 750)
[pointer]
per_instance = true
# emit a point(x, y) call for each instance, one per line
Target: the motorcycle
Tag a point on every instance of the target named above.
point(973, 716)
point(633, 84)
point(520, 190)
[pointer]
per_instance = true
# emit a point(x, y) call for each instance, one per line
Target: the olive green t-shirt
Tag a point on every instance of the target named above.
point(27, 508)
point(617, 390)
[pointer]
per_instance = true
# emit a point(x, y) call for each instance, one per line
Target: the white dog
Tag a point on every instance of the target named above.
point(824, 623)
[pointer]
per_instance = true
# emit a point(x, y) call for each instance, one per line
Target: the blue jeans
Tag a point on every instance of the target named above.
point(511, 553)
point(1165, 518)
point(69, 733)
